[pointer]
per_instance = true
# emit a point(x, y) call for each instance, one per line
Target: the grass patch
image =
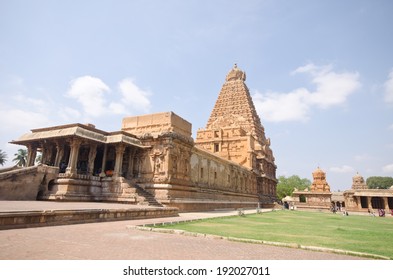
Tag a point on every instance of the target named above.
point(372, 235)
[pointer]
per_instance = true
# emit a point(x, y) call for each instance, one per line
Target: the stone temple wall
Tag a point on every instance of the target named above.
point(181, 175)
point(155, 124)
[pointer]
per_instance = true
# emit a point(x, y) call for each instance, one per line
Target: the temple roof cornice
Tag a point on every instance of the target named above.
point(80, 131)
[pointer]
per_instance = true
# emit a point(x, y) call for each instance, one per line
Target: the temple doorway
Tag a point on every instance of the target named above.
point(98, 161)
point(363, 201)
point(390, 202)
point(377, 203)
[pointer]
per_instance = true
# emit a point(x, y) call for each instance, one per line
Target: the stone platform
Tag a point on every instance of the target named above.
point(23, 214)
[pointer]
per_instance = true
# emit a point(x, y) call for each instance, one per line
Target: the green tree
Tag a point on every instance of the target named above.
point(378, 182)
point(286, 186)
point(21, 157)
point(3, 157)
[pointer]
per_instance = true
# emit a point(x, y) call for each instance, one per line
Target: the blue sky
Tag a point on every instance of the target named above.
point(320, 72)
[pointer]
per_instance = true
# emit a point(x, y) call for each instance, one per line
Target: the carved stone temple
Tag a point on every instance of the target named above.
point(361, 198)
point(317, 196)
point(154, 160)
point(234, 132)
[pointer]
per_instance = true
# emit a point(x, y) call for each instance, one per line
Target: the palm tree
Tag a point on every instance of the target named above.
point(3, 157)
point(21, 157)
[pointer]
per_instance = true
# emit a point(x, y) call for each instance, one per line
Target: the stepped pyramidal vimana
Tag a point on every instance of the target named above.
point(153, 159)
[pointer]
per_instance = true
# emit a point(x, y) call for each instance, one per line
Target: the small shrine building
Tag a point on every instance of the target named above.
point(361, 198)
point(318, 196)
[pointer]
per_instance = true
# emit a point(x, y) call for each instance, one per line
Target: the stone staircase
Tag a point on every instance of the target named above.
point(146, 198)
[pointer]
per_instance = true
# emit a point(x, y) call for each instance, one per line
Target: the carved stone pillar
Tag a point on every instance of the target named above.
point(103, 166)
point(48, 152)
point(59, 153)
point(369, 204)
point(119, 160)
point(31, 154)
point(131, 155)
point(359, 202)
point(139, 165)
point(72, 163)
point(386, 204)
point(92, 157)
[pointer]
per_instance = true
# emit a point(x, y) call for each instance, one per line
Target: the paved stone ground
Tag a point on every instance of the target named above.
point(113, 241)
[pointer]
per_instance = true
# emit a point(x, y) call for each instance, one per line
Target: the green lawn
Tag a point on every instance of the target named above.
point(373, 235)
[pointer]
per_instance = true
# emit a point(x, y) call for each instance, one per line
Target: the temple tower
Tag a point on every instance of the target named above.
point(319, 183)
point(234, 132)
point(234, 107)
point(358, 182)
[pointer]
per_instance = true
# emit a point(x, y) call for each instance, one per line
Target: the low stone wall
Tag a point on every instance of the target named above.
point(25, 183)
point(24, 219)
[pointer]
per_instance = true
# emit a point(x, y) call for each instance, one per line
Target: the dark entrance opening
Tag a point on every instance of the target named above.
point(363, 201)
point(390, 202)
point(98, 161)
point(377, 203)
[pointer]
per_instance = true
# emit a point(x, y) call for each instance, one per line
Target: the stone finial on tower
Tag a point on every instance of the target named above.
point(236, 74)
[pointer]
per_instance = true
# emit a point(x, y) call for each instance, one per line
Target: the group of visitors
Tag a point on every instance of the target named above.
point(381, 212)
point(288, 206)
point(334, 209)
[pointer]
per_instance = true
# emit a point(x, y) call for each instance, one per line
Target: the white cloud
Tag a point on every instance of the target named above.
point(279, 107)
point(22, 120)
point(388, 168)
point(118, 108)
point(90, 93)
point(68, 114)
point(389, 88)
point(313, 69)
point(26, 108)
point(390, 127)
point(22, 108)
point(133, 96)
point(16, 122)
point(342, 169)
point(331, 89)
